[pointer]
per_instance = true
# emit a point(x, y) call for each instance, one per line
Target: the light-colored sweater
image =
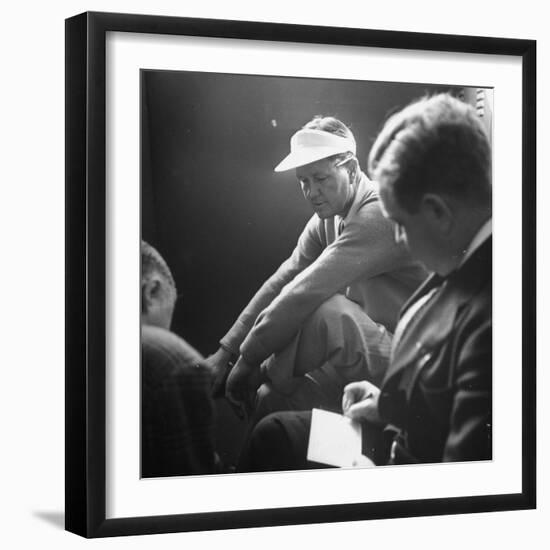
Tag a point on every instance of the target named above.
point(363, 262)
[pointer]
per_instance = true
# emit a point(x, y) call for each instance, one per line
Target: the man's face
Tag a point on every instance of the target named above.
point(326, 186)
point(415, 230)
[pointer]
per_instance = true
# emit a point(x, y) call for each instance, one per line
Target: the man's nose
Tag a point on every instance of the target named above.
point(314, 190)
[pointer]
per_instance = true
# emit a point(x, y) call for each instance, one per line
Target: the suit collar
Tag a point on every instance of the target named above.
point(431, 282)
point(478, 263)
point(484, 232)
point(433, 324)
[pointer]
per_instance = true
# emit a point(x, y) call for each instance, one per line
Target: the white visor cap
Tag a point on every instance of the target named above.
point(307, 146)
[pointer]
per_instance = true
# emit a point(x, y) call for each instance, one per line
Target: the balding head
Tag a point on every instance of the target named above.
point(158, 289)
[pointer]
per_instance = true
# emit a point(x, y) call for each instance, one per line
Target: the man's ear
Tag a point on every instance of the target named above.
point(438, 212)
point(150, 293)
point(353, 169)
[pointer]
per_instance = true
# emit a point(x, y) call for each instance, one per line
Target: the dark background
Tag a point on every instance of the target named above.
point(211, 203)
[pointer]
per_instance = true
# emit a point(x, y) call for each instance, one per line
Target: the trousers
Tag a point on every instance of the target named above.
point(337, 344)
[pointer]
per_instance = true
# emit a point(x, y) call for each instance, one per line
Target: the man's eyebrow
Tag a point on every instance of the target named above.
point(313, 175)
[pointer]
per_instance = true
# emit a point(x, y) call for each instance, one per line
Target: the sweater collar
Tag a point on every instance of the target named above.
point(360, 187)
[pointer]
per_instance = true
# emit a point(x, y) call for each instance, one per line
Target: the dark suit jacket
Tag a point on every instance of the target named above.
point(176, 407)
point(437, 391)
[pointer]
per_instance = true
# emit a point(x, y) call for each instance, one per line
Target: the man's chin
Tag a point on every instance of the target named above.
point(323, 213)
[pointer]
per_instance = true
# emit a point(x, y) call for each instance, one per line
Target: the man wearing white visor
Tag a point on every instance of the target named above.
point(325, 317)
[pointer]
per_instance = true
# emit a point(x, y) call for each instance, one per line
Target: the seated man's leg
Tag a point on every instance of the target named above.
point(280, 440)
point(337, 344)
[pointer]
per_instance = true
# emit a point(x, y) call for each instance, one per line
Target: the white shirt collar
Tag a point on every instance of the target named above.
point(358, 194)
point(485, 231)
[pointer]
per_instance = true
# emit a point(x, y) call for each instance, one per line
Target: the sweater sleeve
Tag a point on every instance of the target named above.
point(309, 247)
point(366, 248)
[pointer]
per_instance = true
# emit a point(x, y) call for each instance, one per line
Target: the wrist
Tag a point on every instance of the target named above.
point(225, 354)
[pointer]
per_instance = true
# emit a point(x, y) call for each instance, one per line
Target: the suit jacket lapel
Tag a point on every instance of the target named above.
point(434, 323)
point(401, 339)
point(432, 281)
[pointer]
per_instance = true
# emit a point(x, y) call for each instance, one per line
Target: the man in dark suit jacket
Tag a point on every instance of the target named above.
point(177, 409)
point(432, 162)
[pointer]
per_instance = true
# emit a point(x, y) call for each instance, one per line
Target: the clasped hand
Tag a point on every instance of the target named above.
point(241, 386)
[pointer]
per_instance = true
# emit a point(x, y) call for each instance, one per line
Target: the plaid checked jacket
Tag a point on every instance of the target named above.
point(177, 411)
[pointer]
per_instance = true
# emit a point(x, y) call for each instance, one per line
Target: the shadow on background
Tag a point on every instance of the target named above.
point(57, 519)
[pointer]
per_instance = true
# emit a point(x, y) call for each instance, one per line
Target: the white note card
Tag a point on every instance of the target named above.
point(334, 439)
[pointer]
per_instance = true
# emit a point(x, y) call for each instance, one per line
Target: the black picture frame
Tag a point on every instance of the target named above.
point(85, 495)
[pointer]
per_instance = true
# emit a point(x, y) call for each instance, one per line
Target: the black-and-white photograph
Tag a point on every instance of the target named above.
point(316, 273)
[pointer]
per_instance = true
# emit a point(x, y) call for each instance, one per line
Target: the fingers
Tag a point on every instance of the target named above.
point(354, 392)
point(354, 387)
point(360, 388)
point(232, 394)
point(241, 387)
point(219, 380)
point(236, 405)
point(348, 397)
point(359, 411)
point(236, 392)
point(365, 410)
point(239, 410)
point(347, 402)
point(242, 406)
point(362, 461)
point(249, 403)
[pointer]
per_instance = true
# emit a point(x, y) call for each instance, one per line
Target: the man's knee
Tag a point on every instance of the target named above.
point(268, 400)
point(331, 309)
point(269, 432)
point(261, 450)
point(277, 443)
point(264, 396)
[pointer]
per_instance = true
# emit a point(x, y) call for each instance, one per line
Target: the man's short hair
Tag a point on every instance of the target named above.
point(435, 145)
point(153, 264)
